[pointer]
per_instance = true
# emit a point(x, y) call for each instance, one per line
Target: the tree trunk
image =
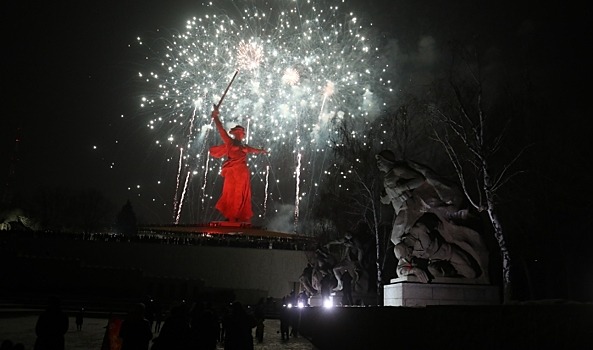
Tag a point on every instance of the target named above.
point(499, 236)
point(378, 259)
point(504, 253)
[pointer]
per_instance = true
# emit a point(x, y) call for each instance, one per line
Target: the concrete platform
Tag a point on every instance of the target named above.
point(408, 291)
point(534, 326)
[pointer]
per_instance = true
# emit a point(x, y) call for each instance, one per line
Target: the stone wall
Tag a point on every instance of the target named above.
point(248, 271)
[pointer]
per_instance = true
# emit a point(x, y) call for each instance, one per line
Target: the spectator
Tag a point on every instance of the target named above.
point(158, 316)
point(260, 316)
point(238, 334)
point(79, 319)
point(176, 332)
point(284, 321)
point(51, 327)
point(205, 326)
point(347, 289)
point(7, 344)
point(135, 331)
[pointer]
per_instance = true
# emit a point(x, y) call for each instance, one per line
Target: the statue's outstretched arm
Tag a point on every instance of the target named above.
point(255, 150)
point(225, 136)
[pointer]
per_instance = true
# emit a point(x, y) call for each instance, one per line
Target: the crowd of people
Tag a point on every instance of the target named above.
point(290, 314)
point(196, 325)
point(8, 344)
point(191, 326)
point(194, 239)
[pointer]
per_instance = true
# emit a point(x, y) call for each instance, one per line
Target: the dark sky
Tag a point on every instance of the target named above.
point(69, 76)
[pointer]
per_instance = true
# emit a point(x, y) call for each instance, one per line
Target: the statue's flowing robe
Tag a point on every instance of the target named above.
point(235, 200)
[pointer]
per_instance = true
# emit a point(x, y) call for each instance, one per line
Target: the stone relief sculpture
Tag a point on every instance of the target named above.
point(350, 259)
point(429, 232)
point(326, 268)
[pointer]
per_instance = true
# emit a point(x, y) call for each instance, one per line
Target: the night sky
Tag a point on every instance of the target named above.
point(71, 93)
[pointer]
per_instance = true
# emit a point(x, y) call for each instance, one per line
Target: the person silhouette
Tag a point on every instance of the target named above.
point(79, 319)
point(235, 202)
point(347, 289)
point(205, 326)
point(7, 344)
point(158, 316)
point(135, 331)
point(284, 321)
point(238, 335)
point(260, 316)
point(51, 326)
point(176, 331)
point(111, 339)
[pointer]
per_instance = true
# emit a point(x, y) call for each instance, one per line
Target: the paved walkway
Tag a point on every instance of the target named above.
point(21, 329)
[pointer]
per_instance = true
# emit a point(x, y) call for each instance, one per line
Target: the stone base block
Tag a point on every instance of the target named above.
point(408, 291)
point(317, 300)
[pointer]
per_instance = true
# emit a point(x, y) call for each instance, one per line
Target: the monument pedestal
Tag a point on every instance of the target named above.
point(408, 291)
point(317, 300)
point(237, 224)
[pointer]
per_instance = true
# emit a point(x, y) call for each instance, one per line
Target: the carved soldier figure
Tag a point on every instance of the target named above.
point(429, 239)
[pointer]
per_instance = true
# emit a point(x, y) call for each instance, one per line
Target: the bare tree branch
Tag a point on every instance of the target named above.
point(502, 178)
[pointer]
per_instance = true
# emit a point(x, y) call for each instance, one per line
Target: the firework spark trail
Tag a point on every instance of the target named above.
point(321, 109)
point(205, 180)
point(327, 91)
point(297, 199)
point(270, 171)
point(175, 199)
point(247, 133)
point(293, 52)
point(266, 190)
point(190, 138)
point(182, 197)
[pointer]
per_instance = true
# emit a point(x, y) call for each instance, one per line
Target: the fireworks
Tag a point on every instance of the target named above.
point(249, 56)
point(329, 89)
point(303, 66)
point(291, 76)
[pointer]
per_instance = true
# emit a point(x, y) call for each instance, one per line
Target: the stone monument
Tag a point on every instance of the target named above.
point(441, 258)
point(336, 270)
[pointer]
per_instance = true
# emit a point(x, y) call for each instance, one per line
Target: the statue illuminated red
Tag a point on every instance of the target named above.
point(235, 202)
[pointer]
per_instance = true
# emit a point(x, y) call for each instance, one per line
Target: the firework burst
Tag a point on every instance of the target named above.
point(249, 56)
point(303, 66)
point(291, 76)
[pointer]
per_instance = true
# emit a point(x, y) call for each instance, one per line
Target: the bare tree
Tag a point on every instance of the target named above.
point(403, 130)
point(472, 130)
point(356, 184)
